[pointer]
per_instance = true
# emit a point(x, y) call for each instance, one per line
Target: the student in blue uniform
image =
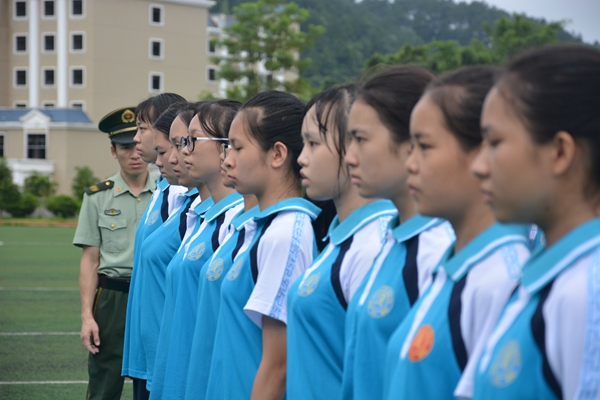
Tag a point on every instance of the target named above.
point(318, 300)
point(249, 356)
point(159, 209)
point(201, 150)
point(413, 244)
point(212, 275)
point(445, 328)
point(540, 164)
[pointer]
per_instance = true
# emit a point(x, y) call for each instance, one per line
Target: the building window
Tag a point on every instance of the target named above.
point(20, 10)
point(48, 104)
point(77, 9)
point(48, 77)
point(156, 49)
point(77, 77)
point(48, 43)
point(212, 47)
point(20, 104)
point(20, 44)
point(36, 146)
point(156, 82)
point(78, 105)
point(20, 77)
point(1, 144)
point(48, 8)
point(157, 15)
point(77, 42)
point(212, 74)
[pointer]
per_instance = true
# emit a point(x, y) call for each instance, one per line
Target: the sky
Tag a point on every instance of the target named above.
point(584, 15)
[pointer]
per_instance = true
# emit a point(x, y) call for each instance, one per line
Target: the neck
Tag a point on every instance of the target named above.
point(136, 183)
point(477, 218)
point(277, 191)
point(217, 190)
point(406, 205)
point(566, 213)
point(202, 190)
point(250, 201)
point(349, 201)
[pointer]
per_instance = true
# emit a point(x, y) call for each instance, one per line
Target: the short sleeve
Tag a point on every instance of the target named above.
point(87, 232)
point(284, 252)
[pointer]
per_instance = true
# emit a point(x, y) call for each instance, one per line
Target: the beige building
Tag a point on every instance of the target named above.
point(66, 63)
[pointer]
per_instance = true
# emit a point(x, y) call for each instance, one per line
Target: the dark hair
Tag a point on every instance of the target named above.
point(275, 116)
point(216, 116)
point(555, 89)
point(150, 109)
point(191, 110)
point(332, 107)
point(460, 95)
point(393, 94)
point(165, 120)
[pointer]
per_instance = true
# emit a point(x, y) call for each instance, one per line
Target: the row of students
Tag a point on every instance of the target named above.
point(408, 298)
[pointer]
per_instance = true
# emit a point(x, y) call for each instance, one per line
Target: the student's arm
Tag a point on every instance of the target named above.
point(88, 281)
point(269, 383)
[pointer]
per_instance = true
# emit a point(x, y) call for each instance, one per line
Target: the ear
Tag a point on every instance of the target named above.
point(279, 155)
point(113, 151)
point(563, 152)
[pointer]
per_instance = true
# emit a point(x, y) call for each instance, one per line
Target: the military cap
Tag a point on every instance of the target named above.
point(120, 125)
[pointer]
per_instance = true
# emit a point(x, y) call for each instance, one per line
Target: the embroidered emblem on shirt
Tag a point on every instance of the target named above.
point(197, 252)
point(309, 285)
point(153, 218)
point(381, 302)
point(506, 365)
point(112, 212)
point(216, 269)
point(422, 344)
point(235, 270)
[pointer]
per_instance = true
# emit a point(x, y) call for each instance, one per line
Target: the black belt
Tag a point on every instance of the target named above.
point(119, 284)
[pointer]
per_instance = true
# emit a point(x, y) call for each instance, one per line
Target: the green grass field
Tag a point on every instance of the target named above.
point(38, 294)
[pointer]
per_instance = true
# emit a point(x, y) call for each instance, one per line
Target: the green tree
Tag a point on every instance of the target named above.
point(9, 192)
point(39, 185)
point(83, 178)
point(506, 38)
point(262, 46)
point(62, 206)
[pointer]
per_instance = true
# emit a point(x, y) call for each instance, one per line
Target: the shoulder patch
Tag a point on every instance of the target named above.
point(98, 187)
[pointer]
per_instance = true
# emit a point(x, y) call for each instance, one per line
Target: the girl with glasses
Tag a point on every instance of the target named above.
point(442, 334)
point(249, 357)
point(541, 164)
point(211, 120)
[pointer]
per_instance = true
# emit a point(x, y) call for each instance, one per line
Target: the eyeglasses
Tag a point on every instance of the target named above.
point(190, 141)
point(226, 147)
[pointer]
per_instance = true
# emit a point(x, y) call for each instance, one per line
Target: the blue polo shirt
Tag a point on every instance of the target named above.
point(318, 300)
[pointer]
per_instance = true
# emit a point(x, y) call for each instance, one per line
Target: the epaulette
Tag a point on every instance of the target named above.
point(98, 187)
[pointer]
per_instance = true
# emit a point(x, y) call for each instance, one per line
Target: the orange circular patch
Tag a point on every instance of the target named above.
point(422, 344)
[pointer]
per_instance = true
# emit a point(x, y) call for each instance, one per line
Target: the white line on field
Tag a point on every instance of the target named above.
point(49, 382)
point(40, 289)
point(38, 333)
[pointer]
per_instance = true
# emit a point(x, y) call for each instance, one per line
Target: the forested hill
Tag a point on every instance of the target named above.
point(356, 31)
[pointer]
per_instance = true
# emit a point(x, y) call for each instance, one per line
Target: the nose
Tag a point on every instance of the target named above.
point(350, 157)
point(302, 161)
point(228, 161)
point(480, 167)
point(173, 158)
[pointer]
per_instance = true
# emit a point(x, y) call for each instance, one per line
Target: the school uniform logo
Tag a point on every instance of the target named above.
point(197, 252)
point(381, 302)
point(506, 365)
point(153, 218)
point(309, 285)
point(216, 269)
point(422, 344)
point(235, 270)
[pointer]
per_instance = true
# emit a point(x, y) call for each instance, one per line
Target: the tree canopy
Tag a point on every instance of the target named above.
point(262, 46)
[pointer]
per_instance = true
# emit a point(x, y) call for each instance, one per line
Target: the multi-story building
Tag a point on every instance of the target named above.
point(86, 58)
